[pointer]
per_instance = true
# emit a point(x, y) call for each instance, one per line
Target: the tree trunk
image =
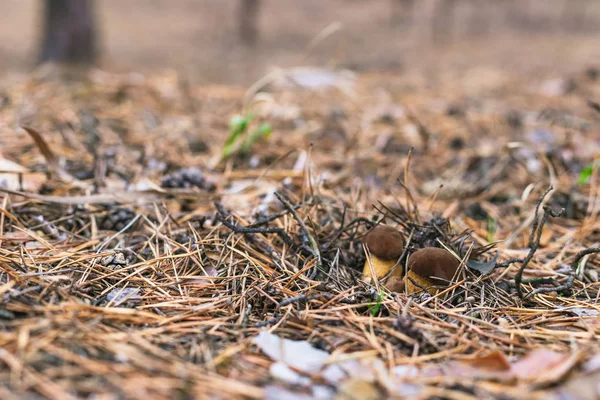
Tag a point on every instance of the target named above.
point(444, 20)
point(248, 21)
point(402, 12)
point(573, 15)
point(69, 32)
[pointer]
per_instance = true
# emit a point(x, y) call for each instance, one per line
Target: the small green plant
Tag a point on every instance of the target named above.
point(491, 229)
point(374, 308)
point(579, 268)
point(238, 133)
point(586, 173)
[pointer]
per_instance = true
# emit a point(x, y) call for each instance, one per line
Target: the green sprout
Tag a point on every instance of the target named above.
point(238, 129)
point(491, 229)
point(374, 308)
point(586, 173)
point(578, 271)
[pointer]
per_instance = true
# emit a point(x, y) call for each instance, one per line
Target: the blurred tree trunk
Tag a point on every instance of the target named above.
point(402, 12)
point(443, 20)
point(484, 15)
point(573, 15)
point(69, 32)
point(248, 21)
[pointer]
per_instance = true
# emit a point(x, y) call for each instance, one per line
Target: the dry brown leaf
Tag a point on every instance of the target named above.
point(492, 366)
point(539, 367)
point(52, 160)
point(544, 367)
point(494, 361)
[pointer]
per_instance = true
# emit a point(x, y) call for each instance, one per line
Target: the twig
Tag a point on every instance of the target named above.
point(268, 322)
point(401, 258)
point(535, 237)
point(505, 264)
point(271, 218)
point(304, 298)
point(313, 243)
point(242, 229)
point(569, 283)
point(416, 284)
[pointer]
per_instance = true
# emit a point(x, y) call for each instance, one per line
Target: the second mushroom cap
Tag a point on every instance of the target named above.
point(437, 265)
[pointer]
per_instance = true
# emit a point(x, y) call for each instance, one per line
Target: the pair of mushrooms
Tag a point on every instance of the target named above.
point(430, 268)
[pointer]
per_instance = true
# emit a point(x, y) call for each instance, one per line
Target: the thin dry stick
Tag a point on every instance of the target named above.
point(313, 243)
point(534, 237)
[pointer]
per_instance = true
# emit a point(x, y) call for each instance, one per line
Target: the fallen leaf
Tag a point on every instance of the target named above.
point(494, 361)
point(299, 355)
point(493, 366)
point(484, 267)
point(544, 367)
point(284, 373)
point(279, 393)
point(52, 160)
point(539, 367)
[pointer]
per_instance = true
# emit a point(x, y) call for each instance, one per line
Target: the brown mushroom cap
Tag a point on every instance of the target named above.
point(433, 263)
point(385, 242)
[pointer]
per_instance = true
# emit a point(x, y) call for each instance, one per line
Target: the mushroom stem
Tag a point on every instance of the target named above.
point(380, 268)
point(416, 283)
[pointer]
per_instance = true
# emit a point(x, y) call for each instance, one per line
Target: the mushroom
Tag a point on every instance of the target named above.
point(385, 245)
point(430, 268)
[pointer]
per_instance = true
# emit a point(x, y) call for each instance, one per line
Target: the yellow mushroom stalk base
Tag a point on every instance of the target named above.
point(425, 283)
point(380, 267)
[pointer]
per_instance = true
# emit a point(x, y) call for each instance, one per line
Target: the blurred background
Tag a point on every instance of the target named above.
point(237, 41)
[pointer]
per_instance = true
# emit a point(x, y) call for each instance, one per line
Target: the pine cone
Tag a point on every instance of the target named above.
point(117, 219)
point(187, 178)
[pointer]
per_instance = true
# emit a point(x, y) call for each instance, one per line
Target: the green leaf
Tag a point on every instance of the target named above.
point(491, 229)
point(237, 126)
point(240, 122)
point(263, 131)
point(375, 307)
point(585, 175)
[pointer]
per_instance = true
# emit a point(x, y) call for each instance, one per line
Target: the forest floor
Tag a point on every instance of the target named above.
point(164, 240)
point(200, 38)
point(160, 239)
